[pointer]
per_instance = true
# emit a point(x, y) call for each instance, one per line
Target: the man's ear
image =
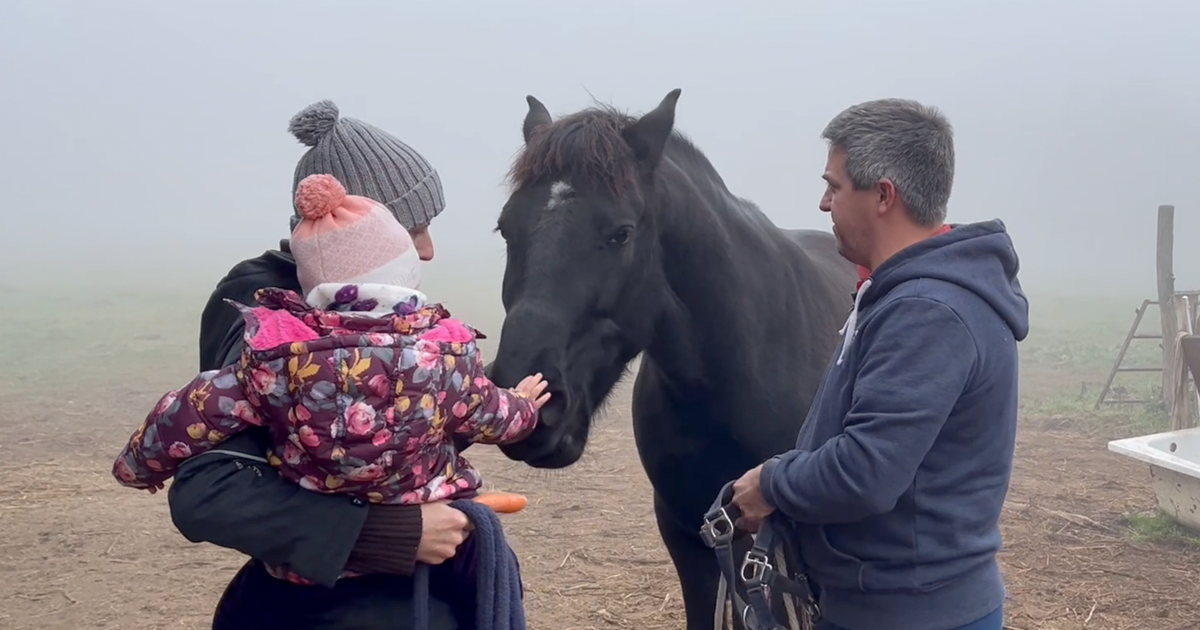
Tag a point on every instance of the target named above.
point(888, 196)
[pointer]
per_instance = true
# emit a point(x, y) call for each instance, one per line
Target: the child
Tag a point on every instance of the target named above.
point(362, 384)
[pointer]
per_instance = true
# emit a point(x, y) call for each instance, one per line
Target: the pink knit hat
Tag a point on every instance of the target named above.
point(349, 239)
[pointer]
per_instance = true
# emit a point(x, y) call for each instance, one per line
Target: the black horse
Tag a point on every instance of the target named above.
point(623, 239)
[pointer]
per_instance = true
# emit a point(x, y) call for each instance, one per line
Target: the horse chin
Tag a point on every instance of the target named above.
point(565, 454)
point(558, 441)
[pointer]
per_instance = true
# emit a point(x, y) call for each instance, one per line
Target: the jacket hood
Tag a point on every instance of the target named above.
point(976, 256)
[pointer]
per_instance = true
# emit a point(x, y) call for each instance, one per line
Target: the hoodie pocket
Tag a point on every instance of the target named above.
point(831, 567)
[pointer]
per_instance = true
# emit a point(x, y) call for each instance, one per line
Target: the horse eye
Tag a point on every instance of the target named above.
point(620, 237)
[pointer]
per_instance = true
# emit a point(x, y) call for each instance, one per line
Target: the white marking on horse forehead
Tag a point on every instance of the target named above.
point(560, 193)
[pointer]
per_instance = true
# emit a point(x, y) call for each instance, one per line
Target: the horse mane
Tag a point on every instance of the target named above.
point(585, 147)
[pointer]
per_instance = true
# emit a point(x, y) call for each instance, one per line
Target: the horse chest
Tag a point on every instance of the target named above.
point(687, 448)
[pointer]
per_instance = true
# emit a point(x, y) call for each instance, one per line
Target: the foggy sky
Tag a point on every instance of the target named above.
point(147, 141)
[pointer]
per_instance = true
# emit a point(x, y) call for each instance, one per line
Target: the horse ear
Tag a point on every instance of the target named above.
point(537, 116)
point(648, 136)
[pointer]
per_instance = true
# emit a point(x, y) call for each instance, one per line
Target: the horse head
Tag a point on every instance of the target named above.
point(583, 279)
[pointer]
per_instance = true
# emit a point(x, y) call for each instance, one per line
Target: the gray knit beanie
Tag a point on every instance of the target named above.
point(369, 162)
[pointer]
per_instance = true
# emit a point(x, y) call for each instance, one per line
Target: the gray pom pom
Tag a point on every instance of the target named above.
point(313, 122)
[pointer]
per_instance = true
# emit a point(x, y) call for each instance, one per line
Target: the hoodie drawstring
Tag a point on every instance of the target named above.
point(848, 329)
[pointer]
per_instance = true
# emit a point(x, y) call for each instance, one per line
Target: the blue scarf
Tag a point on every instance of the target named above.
point(500, 605)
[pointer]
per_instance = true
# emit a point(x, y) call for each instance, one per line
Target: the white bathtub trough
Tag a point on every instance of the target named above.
point(1174, 458)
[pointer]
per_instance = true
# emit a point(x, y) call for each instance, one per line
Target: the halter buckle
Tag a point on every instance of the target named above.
point(718, 528)
point(755, 566)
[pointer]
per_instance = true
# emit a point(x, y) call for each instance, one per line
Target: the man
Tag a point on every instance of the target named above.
point(899, 473)
point(232, 498)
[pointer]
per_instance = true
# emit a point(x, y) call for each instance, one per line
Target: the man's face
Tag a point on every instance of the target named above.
point(853, 211)
point(423, 241)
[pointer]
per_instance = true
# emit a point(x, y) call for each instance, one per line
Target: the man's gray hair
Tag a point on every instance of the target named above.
point(905, 141)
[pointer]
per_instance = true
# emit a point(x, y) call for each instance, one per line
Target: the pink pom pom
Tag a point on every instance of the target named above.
point(318, 195)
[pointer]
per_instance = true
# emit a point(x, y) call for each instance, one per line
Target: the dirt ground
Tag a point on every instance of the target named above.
point(80, 552)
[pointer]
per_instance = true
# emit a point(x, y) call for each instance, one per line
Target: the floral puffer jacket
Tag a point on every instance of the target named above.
point(362, 395)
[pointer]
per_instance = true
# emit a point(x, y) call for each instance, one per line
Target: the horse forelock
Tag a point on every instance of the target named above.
point(586, 152)
point(585, 149)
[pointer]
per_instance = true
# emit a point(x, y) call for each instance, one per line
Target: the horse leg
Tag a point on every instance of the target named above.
point(695, 564)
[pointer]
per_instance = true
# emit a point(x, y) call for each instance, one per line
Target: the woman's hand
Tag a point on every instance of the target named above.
point(443, 529)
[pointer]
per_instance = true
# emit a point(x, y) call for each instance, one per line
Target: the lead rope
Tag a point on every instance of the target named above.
point(728, 610)
point(721, 614)
point(794, 621)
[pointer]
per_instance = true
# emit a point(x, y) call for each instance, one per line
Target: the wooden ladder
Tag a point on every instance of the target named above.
point(1117, 367)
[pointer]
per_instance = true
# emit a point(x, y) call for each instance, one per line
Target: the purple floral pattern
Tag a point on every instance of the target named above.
point(360, 397)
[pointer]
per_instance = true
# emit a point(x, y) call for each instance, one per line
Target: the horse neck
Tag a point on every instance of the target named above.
point(702, 228)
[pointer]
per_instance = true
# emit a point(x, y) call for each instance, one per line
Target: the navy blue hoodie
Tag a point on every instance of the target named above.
point(901, 468)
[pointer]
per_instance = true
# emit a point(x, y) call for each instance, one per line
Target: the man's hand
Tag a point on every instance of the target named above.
point(443, 529)
point(747, 495)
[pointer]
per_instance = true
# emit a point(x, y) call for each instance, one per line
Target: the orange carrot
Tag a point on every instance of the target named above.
point(503, 502)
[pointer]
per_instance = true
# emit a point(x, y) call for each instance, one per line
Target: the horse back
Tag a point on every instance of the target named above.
point(779, 352)
point(821, 248)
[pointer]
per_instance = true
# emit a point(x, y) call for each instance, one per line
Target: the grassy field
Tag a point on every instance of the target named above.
point(1072, 346)
point(1084, 545)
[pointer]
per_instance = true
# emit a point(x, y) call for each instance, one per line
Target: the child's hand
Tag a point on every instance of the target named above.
point(155, 488)
point(531, 387)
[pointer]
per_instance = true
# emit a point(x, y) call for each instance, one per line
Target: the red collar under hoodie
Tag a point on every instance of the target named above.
point(864, 273)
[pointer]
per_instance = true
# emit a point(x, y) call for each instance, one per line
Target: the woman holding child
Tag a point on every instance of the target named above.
point(322, 437)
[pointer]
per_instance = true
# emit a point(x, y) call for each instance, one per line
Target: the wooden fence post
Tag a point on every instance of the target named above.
point(1166, 301)
point(1184, 416)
